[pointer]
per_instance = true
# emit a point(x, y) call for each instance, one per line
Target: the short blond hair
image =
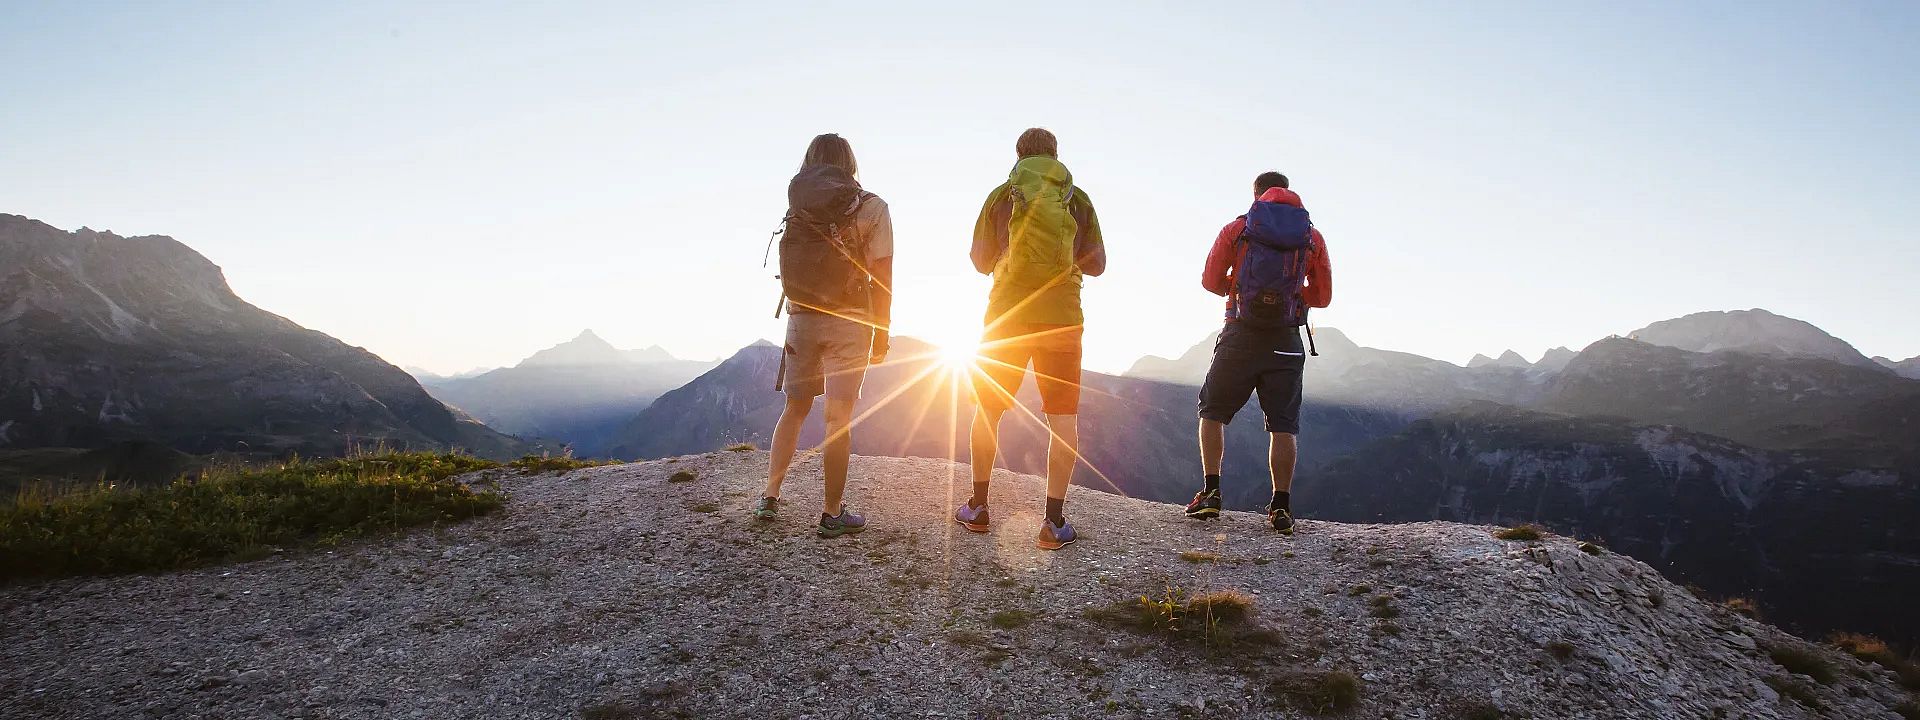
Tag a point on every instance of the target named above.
point(1037, 141)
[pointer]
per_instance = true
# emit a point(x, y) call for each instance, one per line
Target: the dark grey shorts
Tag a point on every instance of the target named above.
point(1247, 361)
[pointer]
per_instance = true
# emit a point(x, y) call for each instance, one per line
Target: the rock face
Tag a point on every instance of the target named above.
point(1753, 331)
point(579, 392)
point(1137, 436)
point(106, 338)
point(1822, 541)
point(617, 592)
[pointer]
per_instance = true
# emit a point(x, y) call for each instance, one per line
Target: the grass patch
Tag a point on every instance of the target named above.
point(1803, 661)
point(1359, 590)
point(1011, 619)
point(705, 507)
point(1874, 650)
point(741, 447)
point(537, 464)
point(1212, 618)
point(1199, 556)
point(233, 512)
point(1529, 532)
point(1742, 606)
point(1319, 693)
point(1592, 549)
point(682, 476)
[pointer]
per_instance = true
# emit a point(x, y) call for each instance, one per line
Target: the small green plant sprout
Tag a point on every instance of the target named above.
point(1529, 532)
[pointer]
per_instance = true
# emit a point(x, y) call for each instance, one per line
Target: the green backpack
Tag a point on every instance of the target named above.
point(1040, 231)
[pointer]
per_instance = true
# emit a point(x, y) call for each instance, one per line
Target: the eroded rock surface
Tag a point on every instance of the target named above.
point(615, 592)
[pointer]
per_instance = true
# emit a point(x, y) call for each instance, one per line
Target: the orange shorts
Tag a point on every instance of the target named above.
point(1052, 350)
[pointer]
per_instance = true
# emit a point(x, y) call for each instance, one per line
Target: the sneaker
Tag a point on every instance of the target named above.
point(1205, 505)
point(846, 523)
point(1281, 519)
point(972, 518)
point(1055, 537)
point(767, 509)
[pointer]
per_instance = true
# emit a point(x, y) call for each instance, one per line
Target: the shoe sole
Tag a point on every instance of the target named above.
point(1205, 514)
point(844, 531)
point(1044, 545)
point(970, 526)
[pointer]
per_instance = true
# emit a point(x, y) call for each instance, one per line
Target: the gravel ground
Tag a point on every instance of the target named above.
point(615, 593)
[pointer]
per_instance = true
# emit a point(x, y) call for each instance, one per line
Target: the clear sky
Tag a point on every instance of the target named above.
point(460, 184)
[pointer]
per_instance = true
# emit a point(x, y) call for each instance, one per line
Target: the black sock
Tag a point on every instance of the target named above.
point(1055, 515)
point(1213, 483)
point(1282, 500)
point(979, 498)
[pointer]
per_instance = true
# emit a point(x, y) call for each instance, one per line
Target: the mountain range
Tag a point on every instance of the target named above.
point(1747, 452)
point(109, 339)
point(577, 393)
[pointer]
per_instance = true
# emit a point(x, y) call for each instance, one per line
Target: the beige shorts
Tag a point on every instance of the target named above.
point(825, 354)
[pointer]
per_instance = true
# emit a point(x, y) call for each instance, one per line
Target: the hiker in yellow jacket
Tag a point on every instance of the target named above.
point(1037, 235)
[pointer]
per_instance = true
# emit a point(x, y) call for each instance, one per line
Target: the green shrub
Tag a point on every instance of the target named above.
point(233, 512)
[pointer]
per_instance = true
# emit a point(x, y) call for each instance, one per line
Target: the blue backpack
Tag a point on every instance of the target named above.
point(1266, 288)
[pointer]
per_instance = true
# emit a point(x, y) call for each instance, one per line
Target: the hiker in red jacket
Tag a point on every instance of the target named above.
point(1271, 264)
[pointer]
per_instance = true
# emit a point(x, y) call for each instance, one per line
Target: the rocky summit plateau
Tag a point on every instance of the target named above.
point(649, 590)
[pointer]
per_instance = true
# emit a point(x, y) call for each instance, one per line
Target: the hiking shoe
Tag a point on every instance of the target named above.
point(846, 523)
point(1281, 519)
point(1205, 505)
point(1054, 538)
point(972, 518)
point(767, 509)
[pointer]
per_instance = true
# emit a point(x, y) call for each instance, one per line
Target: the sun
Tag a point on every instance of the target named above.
point(958, 351)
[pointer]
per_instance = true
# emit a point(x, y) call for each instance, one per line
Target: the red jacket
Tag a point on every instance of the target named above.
point(1223, 261)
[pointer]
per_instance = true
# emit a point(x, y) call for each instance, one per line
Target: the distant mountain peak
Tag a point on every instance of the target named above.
point(1908, 368)
point(1756, 331)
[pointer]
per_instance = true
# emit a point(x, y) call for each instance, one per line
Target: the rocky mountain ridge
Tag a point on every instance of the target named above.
point(106, 338)
point(648, 590)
